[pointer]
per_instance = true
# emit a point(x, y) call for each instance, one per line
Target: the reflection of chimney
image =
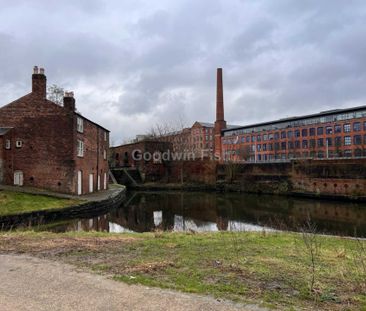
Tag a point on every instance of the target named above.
point(69, 101)
point(39, 82)
point(220, 122)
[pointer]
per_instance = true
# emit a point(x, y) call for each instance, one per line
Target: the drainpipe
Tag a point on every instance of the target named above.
point(97, 158)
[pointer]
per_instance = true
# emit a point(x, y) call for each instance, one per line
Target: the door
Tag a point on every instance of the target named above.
point(98, 182)
point(105, 181)
point(80, 182)
point(18, 178)
point(91, 183)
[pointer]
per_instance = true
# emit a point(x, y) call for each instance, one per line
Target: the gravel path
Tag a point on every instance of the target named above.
point(29, 283)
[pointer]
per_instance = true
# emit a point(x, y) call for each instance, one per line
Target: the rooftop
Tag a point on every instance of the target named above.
point(296, 118)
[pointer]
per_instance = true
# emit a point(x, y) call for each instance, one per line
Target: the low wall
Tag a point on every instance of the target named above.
point(344, 179)
point(91, 209)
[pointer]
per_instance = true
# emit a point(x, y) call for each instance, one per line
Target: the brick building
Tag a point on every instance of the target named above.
point(339, 133)
point(45, 145)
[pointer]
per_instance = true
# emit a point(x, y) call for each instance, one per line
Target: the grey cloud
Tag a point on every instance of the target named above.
point(136, 63)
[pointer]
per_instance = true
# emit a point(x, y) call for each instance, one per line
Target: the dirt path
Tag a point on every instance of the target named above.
point(29, 283)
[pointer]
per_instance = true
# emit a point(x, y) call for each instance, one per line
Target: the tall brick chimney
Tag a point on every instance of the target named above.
point(69, 101)
point(39, 82)
point(220, 122)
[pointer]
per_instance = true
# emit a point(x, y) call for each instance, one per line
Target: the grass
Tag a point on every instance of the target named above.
point(16, 203)
point(272, 270)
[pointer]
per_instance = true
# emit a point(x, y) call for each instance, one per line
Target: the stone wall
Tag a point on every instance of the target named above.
point(320, 178)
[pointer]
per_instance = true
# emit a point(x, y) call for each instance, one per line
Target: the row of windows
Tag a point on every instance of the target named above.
point(357, 126)
point(321, 142)
point(81, 150)
point(18, 144)
point(301, 122)
point(312, 154)
point(80, 127)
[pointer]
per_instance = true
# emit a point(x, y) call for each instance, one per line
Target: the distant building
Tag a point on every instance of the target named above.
point(45, 145)
point(330, 134)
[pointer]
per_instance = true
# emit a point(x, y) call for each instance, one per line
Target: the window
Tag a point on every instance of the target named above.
point(297, 144)
point(348, 153)
point(289, 134)
point(337, 128)
point(320, 131)
point(259, 147)
point(80, 148)
point(283, 134)
point(320, 142)
point(105, 136)
point(312, 143)
point(338, 141)
point(18, 144)
point(290, 145)
point(347, 140)
point(276, 146)
point(347, 128)
point(297, 133)
point(304, 144)
point(243, 139)
point(357, 139)
point(80, 125)
point(276, 136)
point(259, 138)
point(105, 154)
point(270, 146)
point(265, 137)
point(7, 144)
point(320, 154)
point(264, 147)
point(358, 153)
point(253, 139)
point(247, 139)
point(329, 130)
point(304, 132)
point(283, 146)
point(312, 131)
point(329, 142)
point(357, 126)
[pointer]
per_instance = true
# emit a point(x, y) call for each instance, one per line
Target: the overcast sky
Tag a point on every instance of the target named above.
point(135, 63)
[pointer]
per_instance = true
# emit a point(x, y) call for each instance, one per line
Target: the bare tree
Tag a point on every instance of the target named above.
point(55, 94)
point(312, 248)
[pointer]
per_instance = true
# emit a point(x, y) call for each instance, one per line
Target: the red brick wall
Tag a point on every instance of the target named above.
point(48, 156)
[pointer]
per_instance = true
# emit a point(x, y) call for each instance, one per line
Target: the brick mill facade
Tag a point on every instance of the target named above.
point(46, 145)
point(331, 134)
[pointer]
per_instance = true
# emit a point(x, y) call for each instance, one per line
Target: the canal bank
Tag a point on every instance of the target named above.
point(92, 204)
point(269, 269)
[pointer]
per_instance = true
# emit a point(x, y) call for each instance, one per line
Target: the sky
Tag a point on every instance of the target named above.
point(133, 64)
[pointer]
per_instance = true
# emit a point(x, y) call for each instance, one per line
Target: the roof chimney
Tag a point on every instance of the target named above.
point(39, 82)
point(69, 101)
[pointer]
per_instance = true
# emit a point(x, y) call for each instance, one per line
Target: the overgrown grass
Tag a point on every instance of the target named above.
point(269, 269)
point(16, 202)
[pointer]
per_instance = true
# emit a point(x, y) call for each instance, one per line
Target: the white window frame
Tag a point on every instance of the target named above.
point(105, 154)
point(7, 144)
point(80, 125)
point(18, 144)
point(80, 149)
point(105, 136)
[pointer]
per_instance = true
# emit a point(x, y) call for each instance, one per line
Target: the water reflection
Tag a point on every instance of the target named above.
point(199, 212)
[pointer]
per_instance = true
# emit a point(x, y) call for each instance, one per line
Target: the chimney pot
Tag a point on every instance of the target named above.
point(41, 71)
point(35, 70)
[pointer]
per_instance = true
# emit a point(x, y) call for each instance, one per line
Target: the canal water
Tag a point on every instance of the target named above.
point(206, 212)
